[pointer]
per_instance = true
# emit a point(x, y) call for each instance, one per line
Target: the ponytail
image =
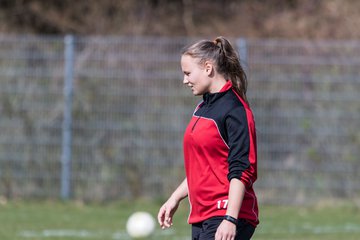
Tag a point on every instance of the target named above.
point(228, 64)
point(225, 58)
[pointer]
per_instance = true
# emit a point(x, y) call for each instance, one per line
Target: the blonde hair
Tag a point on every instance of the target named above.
point(225, 59)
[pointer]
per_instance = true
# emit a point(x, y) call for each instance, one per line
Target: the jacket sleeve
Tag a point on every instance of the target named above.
point(240, 130)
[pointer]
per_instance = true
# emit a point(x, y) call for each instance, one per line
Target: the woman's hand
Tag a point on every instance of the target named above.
point(226, 231)
point(166, 212)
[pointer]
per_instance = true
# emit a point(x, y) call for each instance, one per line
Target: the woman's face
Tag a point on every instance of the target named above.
point(195, 76)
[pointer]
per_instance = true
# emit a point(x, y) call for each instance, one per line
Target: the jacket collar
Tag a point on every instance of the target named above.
point(210, 98)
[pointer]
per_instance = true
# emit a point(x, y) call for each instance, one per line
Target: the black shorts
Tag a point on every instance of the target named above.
point(206, 230)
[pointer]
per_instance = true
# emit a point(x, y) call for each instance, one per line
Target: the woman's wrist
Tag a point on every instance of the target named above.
point(177, 197)
point(231, 219)
point(180, 193)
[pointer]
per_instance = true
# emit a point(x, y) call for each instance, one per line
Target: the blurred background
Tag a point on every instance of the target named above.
point(93, 108)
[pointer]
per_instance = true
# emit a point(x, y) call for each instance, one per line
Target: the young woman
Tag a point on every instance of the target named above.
point(219, 147)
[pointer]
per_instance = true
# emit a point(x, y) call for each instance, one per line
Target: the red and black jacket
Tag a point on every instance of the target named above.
point(220, 144)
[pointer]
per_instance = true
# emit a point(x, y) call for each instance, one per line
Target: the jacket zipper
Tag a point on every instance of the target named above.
point(206, 108)
point(192, 129)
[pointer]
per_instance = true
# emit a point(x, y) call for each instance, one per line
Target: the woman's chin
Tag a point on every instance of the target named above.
point(195, 93)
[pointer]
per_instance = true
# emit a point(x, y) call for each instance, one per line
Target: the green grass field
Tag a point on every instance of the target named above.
point(73, 220)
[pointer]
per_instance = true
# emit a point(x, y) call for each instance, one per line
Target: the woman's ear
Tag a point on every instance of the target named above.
point(209, 68)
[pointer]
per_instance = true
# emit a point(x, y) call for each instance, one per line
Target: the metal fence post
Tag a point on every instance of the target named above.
point(242, 49)
point(67, 121)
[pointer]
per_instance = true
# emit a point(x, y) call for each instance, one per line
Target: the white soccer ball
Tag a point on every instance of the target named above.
point(140, 225)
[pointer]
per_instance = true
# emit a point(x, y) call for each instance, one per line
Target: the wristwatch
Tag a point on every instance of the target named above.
point(231, 219)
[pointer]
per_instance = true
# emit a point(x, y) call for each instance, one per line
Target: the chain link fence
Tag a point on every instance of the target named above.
point(102, 118)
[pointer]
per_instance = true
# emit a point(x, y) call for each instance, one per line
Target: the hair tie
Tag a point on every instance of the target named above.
point(220, 46)
point(217, 43)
